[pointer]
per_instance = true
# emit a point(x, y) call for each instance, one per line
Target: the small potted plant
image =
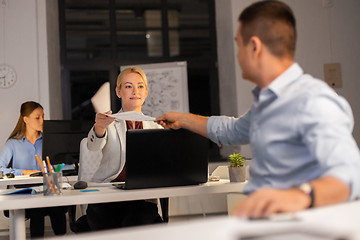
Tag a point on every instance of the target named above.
point(237, 168)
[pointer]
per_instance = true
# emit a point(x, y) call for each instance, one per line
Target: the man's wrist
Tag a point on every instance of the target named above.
point(308, 190)
point(186, 120)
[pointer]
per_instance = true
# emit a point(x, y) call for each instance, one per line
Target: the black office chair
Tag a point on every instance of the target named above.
point(80, 225)
point(77, 225)
point(164, 204)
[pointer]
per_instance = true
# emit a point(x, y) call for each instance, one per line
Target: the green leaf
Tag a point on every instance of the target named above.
point(236, 160)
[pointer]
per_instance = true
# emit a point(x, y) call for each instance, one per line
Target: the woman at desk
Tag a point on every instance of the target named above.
point(18, 158)
point(109, 136)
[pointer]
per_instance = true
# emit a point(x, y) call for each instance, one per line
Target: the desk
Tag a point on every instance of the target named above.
point(19, 180)
point(16, 203)
point(24, 180)
point(334, 222)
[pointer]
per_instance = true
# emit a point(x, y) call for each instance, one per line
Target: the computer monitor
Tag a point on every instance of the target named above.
point(61, 140)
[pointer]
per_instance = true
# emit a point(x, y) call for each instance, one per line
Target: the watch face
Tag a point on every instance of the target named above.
point(306, 188)
point(7, 76)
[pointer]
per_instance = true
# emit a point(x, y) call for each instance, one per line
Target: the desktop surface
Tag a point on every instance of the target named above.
point(16, 203)
point(109, 193)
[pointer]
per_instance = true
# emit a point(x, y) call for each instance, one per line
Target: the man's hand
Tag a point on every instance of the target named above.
point(266, 202)
point(192, 122)
point(102, 122)
point(171, 120)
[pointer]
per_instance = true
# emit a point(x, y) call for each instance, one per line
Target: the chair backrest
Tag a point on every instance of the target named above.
point(89, 161)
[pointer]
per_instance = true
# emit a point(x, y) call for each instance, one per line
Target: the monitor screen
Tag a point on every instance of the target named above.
point(61, 140)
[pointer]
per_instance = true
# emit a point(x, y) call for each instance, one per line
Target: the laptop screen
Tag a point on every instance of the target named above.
point(165, 157)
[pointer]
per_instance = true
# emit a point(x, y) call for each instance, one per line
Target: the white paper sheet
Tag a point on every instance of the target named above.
point(101, 99)
point(131, 116)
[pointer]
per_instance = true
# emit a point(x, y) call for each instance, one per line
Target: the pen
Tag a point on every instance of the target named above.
point(59, 167)
point(89, 190)
point(62, 166)
point(48, 162)
point(39, 162)
point(47, 177)
point(45, 168)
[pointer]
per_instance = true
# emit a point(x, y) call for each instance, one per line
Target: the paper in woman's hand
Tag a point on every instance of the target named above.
point(131, 116)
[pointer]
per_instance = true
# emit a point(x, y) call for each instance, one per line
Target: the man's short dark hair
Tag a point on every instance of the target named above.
point(274, 23)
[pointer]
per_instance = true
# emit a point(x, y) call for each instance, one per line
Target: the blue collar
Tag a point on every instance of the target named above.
point(290, 75)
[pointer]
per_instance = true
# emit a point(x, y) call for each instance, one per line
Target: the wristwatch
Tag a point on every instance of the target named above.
point(308, 189)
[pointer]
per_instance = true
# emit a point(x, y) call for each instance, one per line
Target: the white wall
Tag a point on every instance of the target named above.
point(316, 27)
point(27, 51)
point(339, 25)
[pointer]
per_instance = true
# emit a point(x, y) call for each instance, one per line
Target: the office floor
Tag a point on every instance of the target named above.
point(4, 235)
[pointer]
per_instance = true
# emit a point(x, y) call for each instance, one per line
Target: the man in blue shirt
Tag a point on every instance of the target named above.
point(299, 129)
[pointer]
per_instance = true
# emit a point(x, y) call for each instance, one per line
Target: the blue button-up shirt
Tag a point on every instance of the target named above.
point(23, 152)
point(299, 130)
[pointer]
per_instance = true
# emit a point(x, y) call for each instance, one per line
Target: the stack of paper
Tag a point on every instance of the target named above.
point(131, 116)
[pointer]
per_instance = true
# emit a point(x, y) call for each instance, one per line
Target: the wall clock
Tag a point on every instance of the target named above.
point(7, 76)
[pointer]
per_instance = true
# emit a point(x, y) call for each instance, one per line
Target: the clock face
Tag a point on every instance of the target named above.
point(7, 76)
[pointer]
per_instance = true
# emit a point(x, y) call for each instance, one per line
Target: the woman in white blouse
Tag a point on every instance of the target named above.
point(108, 136)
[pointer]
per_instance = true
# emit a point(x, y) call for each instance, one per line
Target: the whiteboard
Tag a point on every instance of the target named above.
point(168, 87)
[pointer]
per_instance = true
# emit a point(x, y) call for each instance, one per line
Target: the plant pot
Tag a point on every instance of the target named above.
point(237, 174)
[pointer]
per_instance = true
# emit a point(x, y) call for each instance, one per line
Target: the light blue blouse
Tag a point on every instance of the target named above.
point(299, 130)
point(23, 152)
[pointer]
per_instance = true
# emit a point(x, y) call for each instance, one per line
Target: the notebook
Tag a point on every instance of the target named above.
point(164, 158)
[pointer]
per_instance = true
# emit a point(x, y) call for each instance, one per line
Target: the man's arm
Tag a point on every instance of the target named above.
point(267, 201)
point(192, 122)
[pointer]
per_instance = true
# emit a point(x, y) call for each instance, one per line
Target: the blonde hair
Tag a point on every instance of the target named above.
point(126, 71)
point(26, 109)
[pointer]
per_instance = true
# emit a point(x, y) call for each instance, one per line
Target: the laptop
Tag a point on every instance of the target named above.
point(165, 158)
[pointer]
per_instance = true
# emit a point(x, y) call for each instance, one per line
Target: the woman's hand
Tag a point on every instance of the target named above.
point(102, 122)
